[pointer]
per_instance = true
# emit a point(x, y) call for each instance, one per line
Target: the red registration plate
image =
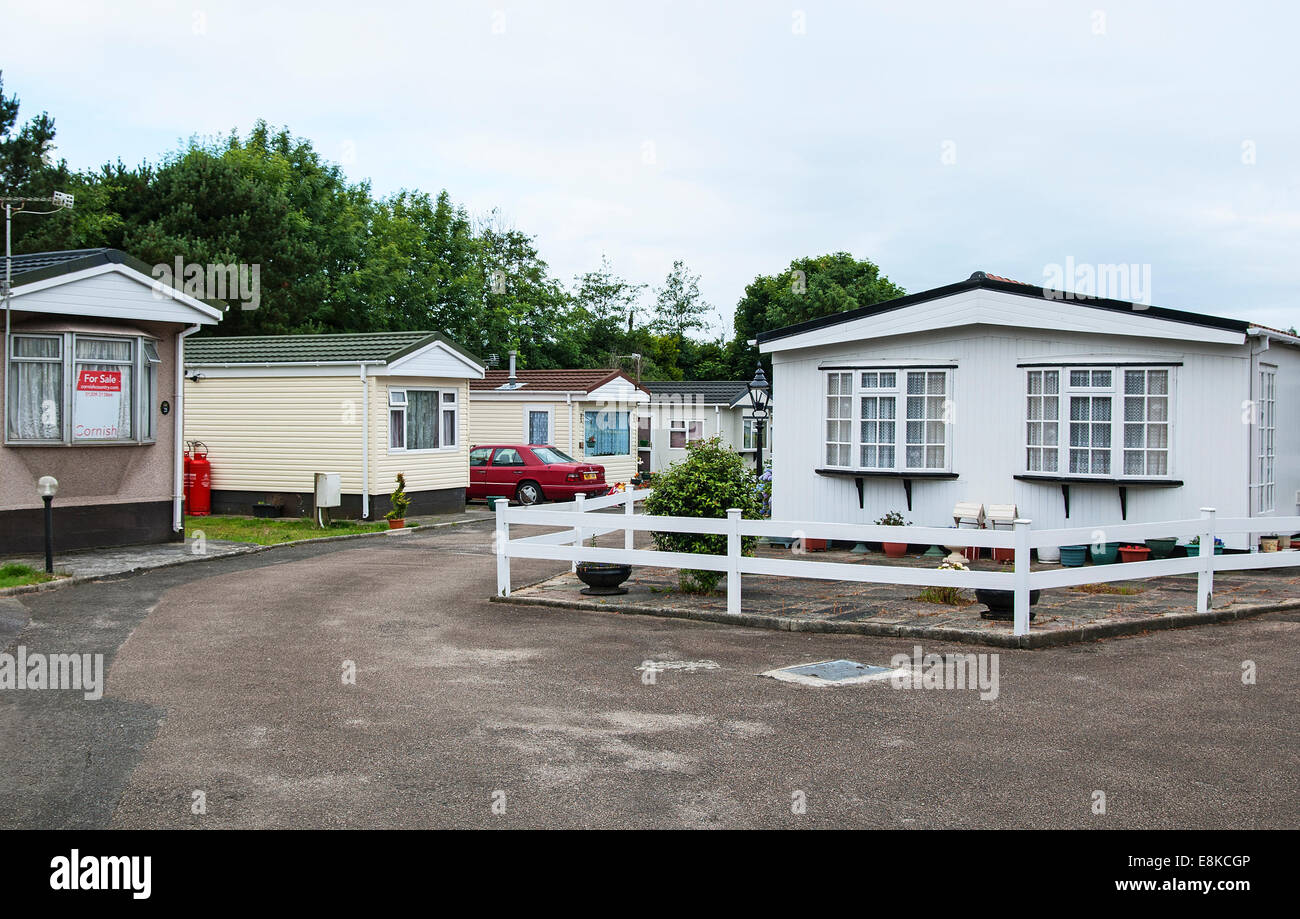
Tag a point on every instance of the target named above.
point(589, 476)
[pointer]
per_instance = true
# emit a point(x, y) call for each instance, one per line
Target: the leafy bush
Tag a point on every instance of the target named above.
point(710, 480)
point(892, 519)
point(399, 499)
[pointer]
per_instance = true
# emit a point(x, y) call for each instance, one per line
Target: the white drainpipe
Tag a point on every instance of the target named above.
point(178, 435)
point(568, 398)
point(365, 444)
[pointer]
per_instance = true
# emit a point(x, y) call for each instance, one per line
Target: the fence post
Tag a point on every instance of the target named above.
point(1205, 577)
point(733, 561)
point(502, 544)
point(1021, 621)
point(578, 501)
point(628, 511)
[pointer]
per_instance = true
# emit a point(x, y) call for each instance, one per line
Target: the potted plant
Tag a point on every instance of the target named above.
point(400, 502)
point(893, 519)
point(1133, 553)
point(1268, 543)
point(603, 579)
point(1195, 544)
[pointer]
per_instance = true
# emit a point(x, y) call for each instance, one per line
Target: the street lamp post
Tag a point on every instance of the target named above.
point(760, 395)
point(47, 486)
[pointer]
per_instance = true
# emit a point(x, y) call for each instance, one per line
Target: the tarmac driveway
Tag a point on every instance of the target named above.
point(226, 678)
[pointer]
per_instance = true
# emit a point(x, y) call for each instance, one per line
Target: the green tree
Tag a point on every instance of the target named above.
point(809, 289)
point(679, 307)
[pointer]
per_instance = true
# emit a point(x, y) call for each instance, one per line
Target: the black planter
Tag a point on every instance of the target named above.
point(1002, 603)
point(268, 510)
point(603, 579)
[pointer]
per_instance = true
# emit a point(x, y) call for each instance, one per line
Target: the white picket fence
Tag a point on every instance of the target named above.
point(581, 519)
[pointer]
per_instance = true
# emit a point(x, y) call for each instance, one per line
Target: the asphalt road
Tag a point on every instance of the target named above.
point(226, 678)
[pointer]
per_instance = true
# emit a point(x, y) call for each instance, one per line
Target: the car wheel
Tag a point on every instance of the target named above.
point(528, 493)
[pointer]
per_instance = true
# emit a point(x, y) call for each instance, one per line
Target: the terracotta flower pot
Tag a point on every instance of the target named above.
point(1133, 553)
point(396, 524)
point(814, 545)
point(895, 549)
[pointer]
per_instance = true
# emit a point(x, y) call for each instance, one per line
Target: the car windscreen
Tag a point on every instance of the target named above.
point(551, 455)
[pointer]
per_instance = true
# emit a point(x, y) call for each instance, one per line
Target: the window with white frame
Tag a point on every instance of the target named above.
point(862, 415)
point(68, 387)
point(1116, 421)
point(1266, 457)
point(682, 431)
point(422, 419)
point(1043, 428)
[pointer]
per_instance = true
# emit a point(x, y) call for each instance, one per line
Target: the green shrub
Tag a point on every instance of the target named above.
point(710, 480)
point(399, 500)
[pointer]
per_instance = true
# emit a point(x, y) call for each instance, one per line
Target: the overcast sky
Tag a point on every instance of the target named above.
point(932, 138)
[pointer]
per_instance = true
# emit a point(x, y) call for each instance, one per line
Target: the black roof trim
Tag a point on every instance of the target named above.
point(41, 266)
point(981, 281)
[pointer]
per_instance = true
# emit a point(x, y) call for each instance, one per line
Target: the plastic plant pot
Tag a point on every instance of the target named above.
point(1133, 553)
point(1106, 553)
point(1074, 556)
point(1160, 548)
point(1049, 554)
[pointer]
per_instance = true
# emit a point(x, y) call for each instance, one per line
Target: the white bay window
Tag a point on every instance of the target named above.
point(862, 420)
point(1110, 422)
point(70, 388)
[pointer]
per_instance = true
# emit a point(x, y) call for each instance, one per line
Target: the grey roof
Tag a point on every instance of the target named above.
point(38, 260)
point(346, 347)
point(710, 392)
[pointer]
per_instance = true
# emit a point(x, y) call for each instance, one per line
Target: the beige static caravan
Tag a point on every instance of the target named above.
point(275, 410)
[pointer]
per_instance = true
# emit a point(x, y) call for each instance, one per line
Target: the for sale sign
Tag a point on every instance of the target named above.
point(97, 406)
point(99, 381)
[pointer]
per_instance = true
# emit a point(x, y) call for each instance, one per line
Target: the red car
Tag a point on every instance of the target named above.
point(531, 474)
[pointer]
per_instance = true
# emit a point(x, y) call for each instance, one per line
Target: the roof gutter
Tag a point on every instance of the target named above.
point(286, 363)
point(1256, 331)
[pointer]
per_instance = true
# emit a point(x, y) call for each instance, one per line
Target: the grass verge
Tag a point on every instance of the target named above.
point(16, 575)
point(270, 532)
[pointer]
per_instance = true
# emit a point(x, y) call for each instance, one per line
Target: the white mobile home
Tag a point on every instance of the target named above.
point(680, 413)
point(1080, 411)
point(274, 410)
point(589, 414)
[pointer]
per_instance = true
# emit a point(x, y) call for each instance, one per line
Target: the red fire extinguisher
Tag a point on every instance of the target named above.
point(198, 480)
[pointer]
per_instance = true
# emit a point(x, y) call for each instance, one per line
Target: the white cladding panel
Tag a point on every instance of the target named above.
point(1210, 442)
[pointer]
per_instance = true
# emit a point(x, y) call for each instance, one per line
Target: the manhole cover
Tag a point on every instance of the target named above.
point(832, 673)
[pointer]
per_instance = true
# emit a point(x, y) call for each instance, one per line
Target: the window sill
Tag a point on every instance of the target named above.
point(1065, 481)
point(859, 474)
point(1098, 480)
point(46, 444)
point(890, 473)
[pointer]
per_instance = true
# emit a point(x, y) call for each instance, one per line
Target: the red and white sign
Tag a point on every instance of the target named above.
point(99, 381)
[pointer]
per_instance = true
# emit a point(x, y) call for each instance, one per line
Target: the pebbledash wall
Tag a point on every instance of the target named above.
point(110, 493)
point(270, 427)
